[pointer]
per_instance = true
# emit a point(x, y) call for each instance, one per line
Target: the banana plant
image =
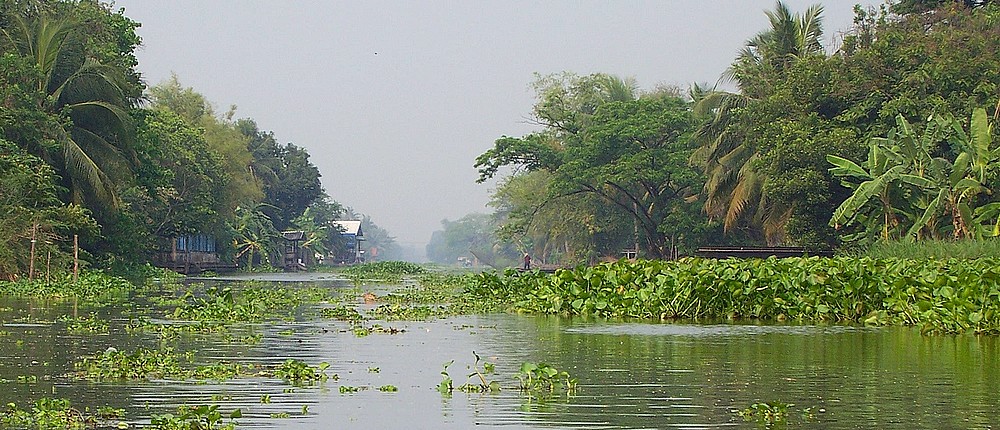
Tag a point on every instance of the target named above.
point(884, 175)
point(902, 177)
point(316, 234)
point(959, 184)
point(255, 235)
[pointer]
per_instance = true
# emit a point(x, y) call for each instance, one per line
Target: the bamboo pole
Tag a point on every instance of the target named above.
point(76, 257)
point(31, 262)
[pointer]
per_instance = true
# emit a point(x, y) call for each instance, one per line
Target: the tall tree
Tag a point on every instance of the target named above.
point(735, 186)
point(557, 229)
point(84, 84)
point(291, 183)
point(180, 179)
point(631, 153)
point(905, 7)
point(223, 138)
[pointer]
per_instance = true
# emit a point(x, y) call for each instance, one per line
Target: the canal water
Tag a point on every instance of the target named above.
point(631, 375)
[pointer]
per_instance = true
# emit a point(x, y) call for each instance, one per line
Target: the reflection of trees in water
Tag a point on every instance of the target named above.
point(635, 375)
point(35, 356)
point(857, 375)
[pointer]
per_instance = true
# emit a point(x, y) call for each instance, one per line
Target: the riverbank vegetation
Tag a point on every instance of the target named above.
point(890, 135)
point(967, 249)
point(939, 296)
point(890, 139)
point(99, 169)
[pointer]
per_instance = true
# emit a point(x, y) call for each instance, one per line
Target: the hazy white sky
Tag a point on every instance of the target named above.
point(395, 99)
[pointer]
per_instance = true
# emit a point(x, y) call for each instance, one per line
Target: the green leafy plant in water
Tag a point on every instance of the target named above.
point(222, 370)
point(90, 324)
point(446, 386)
point(203, 417)
point(343, 313)
point(347, 389)
point(387, 271)
point(300, 372)
point(113, 364)
point(140, 364)
point(483, 385)
point(93, 288)
point(388, 388)
point(542, 378)
point(766, 413)
point(249, 304)
point(397, 311)
point(168, 331)
point(940, 296)
point(250, 339)
point(54, 414)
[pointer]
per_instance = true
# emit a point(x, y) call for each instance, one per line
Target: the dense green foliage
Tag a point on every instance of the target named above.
point(760, 153)
point(625, 151)
point(48, 413)
point(911, 193)
point(388, 271)
point(944, 296)
point(81, 156)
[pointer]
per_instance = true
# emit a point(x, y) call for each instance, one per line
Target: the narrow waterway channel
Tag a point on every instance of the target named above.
point(631, 375)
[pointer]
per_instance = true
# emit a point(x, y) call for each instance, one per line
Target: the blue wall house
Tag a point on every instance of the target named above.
point(351, 252)
point(190, 253)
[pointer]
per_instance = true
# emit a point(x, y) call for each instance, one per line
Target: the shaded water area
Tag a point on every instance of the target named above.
point(632, 375)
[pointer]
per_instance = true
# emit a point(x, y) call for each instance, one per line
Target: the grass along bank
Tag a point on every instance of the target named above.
point(965, 249)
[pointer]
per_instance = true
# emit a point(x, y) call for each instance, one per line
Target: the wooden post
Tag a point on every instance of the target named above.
point(31, 262)
point(48, 266)
point(76, 257)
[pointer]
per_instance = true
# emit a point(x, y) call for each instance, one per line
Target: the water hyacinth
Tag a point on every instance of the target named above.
point(941, 296)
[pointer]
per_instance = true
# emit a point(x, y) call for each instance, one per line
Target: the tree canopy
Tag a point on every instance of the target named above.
point(87, 149)
point(603, 139)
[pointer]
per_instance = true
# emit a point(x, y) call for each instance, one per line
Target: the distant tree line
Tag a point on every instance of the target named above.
point(889, 137)
point(87, 150)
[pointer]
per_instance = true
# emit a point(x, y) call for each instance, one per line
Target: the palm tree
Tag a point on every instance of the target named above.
point(734, 186)
point(93, 142)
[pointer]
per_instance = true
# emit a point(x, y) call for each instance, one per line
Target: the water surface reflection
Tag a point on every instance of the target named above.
point(632, 375)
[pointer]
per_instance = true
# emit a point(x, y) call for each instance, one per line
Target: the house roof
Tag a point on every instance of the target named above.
point(350, 227)
point(294, 235)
